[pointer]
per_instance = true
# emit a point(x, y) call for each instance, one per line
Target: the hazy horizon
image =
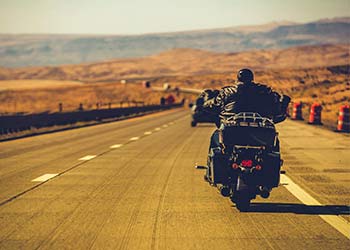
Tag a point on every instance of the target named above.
point(137, 17)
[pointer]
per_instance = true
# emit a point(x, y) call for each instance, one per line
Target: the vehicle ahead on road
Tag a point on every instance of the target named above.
point(199, 114)
point(248, 162)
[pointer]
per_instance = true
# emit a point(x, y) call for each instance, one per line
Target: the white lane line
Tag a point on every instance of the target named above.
point(148, 133)
point(44, 177)
point(116, 146)
point(86, 158)
point(134, 138)
point(335, 221)
point(165, 126)
point(157, 129)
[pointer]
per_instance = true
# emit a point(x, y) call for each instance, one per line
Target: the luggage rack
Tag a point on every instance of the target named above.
point(249, 147)
point(246, 119)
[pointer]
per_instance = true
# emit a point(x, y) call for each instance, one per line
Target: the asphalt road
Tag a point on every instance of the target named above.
point(132, 185)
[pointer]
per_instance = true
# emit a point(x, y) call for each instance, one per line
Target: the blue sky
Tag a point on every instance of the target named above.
point(149, 16)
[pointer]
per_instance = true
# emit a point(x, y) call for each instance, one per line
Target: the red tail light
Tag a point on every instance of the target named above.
point(258, 167)
point(247, 163)
point(235, 165)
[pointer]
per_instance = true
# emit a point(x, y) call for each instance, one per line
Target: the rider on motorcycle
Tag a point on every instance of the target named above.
point(248, 96)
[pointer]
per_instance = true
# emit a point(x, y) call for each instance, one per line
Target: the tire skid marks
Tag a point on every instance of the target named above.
point(157, 224)
point(92, 196)
point(137, 208)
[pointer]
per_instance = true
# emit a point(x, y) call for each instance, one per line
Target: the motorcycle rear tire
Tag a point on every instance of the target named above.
point(243, 204)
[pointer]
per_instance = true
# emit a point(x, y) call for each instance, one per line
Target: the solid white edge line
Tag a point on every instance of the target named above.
point(87, 157)
point(335, 221)
point(44, 177)
point(134, 138)
point(116, 146)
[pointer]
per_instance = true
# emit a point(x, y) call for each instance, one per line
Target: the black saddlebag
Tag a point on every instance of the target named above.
point(271, 169)
point(218, 166)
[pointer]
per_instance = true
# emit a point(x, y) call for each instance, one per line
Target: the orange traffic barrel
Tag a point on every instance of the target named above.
point(344, 119)
point(297, 111)
point(315, 114)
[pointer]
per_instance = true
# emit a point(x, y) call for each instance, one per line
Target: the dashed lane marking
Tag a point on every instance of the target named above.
point(335, 221)
point(88, 157)
point(44, 177)
point(165, 126)
point(134, 138)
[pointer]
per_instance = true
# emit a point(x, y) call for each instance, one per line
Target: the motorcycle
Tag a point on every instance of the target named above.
point(198, 113)
point(247, 161)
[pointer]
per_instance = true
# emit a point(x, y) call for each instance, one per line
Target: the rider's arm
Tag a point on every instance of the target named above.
point(281, 107)
point(219, 101)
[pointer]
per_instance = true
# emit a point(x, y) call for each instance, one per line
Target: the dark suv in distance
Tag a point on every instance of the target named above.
point(199, 114)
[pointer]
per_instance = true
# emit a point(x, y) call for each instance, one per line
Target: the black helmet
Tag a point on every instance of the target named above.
point(245, 75)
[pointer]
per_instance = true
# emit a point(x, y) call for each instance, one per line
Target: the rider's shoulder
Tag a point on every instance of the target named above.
point(263, 87)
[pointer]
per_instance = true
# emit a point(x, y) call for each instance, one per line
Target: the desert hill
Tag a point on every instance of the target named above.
point(317, 73)
point(34, 50)
point(184, 62)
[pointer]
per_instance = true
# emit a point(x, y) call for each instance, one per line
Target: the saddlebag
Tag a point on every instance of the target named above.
point(271, 169)
point(217, 164)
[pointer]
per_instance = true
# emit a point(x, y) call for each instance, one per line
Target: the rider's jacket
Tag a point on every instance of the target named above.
point(250, 97)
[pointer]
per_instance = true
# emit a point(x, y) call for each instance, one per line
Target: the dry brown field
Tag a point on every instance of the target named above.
point(308, 73)
point(36, 84)
point(47, 99)
point(329, 86)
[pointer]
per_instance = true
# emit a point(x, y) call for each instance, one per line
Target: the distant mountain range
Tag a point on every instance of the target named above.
point(34, 50)
point(190, 62)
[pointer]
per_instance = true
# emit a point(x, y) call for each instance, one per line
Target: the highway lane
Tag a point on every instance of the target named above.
point(28, 158)
point(147, 194)
point(318, 160)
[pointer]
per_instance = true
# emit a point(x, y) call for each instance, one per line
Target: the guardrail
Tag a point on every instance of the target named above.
point(17, 123)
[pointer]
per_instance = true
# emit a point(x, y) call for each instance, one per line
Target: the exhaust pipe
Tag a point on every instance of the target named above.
point(265, 192)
